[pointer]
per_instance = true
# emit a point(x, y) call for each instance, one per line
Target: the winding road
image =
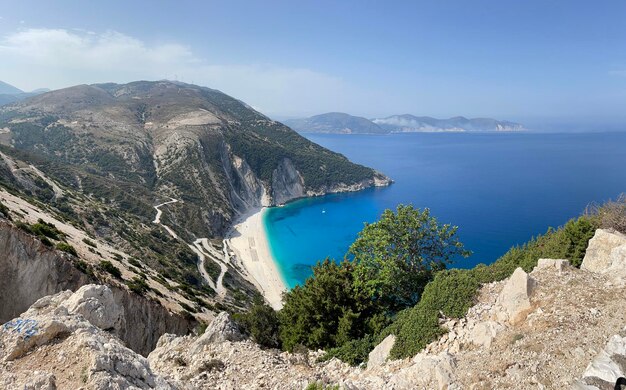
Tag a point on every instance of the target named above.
point(202, 249)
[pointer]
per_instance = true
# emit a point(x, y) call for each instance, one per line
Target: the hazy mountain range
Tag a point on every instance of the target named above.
point(11, 94)
point(341, 123)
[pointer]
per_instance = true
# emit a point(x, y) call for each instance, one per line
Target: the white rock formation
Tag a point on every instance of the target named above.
point(380, 354)
point(515, 296)
point(558, 264)
point(606, 252)
point(607, 367)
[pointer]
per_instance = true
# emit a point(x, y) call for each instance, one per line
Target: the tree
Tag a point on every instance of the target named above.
point(398, 255)
point(326, 311)
point(261, 323)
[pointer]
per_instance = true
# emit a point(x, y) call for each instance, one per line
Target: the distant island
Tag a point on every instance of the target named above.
point(342, 123)
point(11, 94)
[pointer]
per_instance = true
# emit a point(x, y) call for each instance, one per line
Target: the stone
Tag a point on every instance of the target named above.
point(425, 371)
point(97, 305)
point(484, 333)
point(608, 365)
point(41, 381)
point(380, 354)
point(599, 257)
point(221, 329)
point(515, 296)
point(552, 264)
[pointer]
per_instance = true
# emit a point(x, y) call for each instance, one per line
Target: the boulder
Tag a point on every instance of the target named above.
point(552, 264)
point(97, 305)
point(221, 329)
point(484, 332)
point(427, 371)
point(606, 252)
point(380, 354)
point(606, 367)
point(515, 297)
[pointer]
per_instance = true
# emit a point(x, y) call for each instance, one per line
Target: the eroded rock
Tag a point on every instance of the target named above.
point(380, 354)
point(606, 252)
point(515, 296)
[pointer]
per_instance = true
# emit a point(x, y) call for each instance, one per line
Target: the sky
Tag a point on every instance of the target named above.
point(517, 60)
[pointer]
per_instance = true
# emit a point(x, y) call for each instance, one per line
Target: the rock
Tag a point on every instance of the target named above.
point(559, 264)
point(380, 354)
point(607, 366)
point(515, 296)
point(41, 381)
point(425, 372)
point(221, 329)
point(603, 254)
point(97, 305)
point(484, 333)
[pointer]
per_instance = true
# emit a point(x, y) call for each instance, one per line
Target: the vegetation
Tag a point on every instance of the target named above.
point(65, 247)
point(138, 285)
point(107, 266)
point(4, 210)
point(90, 243)
point(261, 323)
point(395, 282)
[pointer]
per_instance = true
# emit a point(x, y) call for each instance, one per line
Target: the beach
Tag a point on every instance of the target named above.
point(247, 239)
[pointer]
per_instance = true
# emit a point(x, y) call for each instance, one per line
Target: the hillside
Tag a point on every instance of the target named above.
point(335, 123)
point(107, 160)
point(555, 327)
point(9, 89)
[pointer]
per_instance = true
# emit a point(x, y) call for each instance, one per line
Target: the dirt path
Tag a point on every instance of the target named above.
point(203, 250)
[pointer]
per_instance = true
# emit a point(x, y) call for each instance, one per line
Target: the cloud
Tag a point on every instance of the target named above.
point(56, 58)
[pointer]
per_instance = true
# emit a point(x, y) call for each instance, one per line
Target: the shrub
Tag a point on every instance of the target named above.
point(90, 243)
point(261, 323)
point(45, 229)
point(611, 215)
point(4, 210)
point(65, 247)
point(138, 285)
point(353, 352)
point(107, 266)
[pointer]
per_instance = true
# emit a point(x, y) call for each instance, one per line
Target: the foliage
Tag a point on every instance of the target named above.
point(4, 210)
point(65, 247)
point(326, 310)
point(353, 352)
point(107, 266)
point(46, 229)
point(610, 215)
point(321, 386)
point(454, 292)
point(261, 323)
point(138, 285)
point(399, 254)
point(90, 243)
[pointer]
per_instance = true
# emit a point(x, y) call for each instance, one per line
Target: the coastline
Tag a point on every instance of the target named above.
point(248, 240)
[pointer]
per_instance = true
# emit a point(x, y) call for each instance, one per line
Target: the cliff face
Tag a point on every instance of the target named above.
point(30, 270)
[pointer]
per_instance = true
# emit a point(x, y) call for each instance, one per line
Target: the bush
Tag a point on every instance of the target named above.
point(107, 266)
point(4, 210)
point(353, 352)
point(138, 285)
point(45, 229)
point(90, 243)
point(65, 247)
point(261, 323)
point(611, 215)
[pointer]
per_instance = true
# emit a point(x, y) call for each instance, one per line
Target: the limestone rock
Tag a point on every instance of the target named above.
point(97, 305)
point(607, 366)
point(606, 250)
point(552, 264)
point(425, 372)
point(484, 333)
point(221, 329)
point(515, 296)
point(380, 354)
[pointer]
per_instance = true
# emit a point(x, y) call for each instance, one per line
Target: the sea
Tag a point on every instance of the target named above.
point(500, 189)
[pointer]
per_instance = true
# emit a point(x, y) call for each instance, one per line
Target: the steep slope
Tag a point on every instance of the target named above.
point(335, 123)
point(9, 89)
point(410, 123)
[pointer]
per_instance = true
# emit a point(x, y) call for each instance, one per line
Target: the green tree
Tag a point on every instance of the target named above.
point(261, 323)
point(399, 254)
point(326, 311)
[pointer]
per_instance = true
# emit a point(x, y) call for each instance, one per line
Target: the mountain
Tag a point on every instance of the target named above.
point(98, 158)
point(8, 89)
point(409, 123)
point(10, 94)
point(335, 123)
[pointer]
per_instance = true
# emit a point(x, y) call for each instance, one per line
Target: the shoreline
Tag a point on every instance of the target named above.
point(248, 240)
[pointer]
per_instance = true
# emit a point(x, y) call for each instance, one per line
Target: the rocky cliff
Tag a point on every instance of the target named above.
point(556, 327)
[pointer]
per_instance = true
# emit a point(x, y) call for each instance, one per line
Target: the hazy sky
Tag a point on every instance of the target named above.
point(505, 59)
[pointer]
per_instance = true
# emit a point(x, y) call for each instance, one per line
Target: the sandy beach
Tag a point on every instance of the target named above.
point(248, 241)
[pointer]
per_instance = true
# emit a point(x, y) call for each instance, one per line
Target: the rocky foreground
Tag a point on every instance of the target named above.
point(557, 327)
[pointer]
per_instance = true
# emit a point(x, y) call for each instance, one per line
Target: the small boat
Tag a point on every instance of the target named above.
point(323, 211)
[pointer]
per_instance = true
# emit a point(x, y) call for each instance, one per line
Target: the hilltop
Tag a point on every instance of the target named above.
point(335, 122)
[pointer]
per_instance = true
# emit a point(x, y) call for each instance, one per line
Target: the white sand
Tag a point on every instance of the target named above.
point(249, 242)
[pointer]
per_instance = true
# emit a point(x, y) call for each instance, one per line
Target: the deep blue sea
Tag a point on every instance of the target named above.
point(500, 189)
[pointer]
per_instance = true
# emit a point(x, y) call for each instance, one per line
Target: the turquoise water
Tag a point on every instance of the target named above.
point(500, 189)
